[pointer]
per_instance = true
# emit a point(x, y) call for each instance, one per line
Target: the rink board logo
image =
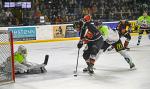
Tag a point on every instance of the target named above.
point(133, 26)
point(112, 25)
point(71, 32)
point(59, 31)
point(23, 33)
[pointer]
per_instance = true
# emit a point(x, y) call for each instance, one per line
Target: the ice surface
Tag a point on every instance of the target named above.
point(112, 71)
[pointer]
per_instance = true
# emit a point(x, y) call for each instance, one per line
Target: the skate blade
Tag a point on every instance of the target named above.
point(131, 69)
point(91, 74)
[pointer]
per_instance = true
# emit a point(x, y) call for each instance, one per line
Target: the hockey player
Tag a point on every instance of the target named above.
point(124, 29)
point(143, 24)
point(90, 36)
point(23, 66)
point(111, 38)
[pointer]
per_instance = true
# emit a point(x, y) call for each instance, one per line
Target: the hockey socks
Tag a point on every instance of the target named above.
point(139, 40)
point(130, 63)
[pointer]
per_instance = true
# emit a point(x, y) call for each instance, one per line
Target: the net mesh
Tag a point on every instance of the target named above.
point(6, 67)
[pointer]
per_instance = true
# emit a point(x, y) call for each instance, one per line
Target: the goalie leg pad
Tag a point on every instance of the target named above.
point(37, 70)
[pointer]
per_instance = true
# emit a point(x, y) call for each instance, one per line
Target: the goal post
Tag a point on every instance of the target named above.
point(7, 73)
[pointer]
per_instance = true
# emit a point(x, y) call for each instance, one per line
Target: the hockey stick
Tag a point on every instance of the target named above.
point(75, 72)
point(41, 65)
point(144, 29)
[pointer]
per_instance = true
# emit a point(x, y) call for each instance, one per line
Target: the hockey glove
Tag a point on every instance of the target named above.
point(79, 45)
point(129, 30)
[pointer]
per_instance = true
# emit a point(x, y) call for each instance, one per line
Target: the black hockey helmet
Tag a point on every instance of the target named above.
point(97, 23)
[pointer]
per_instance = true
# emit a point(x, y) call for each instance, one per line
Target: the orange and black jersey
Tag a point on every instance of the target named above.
point(89, 32)
point(123, 26)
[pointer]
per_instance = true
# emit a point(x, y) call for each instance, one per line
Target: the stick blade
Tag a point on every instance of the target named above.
point(75, 75)
point(46, 59)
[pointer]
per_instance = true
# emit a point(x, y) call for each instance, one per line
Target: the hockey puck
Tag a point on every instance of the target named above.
point(75, 75)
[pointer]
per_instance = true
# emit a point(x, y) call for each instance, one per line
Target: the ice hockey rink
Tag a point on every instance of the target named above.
point(111, 70)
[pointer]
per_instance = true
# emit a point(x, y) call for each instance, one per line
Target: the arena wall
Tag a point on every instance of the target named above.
point(50, 33)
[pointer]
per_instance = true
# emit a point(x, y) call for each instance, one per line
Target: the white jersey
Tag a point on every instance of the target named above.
point(113, 35)
point(109, 35)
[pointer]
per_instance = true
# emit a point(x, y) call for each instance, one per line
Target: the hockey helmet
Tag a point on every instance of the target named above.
point(22, 50)
point(97, 23)
point(123, 20)
point(87, 18)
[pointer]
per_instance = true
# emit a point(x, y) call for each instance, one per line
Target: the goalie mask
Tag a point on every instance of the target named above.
point(22, 50)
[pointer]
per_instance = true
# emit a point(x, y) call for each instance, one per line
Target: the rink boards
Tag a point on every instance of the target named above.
point(51, 33)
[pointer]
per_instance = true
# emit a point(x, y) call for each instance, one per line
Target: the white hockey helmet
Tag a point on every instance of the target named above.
point(22, 49)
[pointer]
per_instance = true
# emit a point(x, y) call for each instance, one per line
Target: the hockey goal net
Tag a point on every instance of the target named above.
point(7, 74)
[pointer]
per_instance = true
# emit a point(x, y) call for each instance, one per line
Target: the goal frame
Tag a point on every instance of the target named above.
point(11, 42)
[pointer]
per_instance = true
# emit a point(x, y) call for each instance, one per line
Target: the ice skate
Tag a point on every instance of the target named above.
point(132, 66)
point(85, 69)
point(128, 49)
point(138, 44)
point(90, 69)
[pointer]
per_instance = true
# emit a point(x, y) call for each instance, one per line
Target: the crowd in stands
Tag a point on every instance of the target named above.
point(66, 11)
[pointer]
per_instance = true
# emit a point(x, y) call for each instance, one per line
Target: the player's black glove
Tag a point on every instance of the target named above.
point(79, 45)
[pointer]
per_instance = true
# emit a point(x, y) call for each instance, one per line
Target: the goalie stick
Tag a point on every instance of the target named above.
point(39, 68)
point(43, 64)
point(46, 59)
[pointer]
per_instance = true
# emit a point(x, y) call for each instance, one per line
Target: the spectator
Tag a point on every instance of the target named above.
point(58, 20)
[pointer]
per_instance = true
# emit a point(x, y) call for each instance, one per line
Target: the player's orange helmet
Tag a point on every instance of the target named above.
point(87, 18)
